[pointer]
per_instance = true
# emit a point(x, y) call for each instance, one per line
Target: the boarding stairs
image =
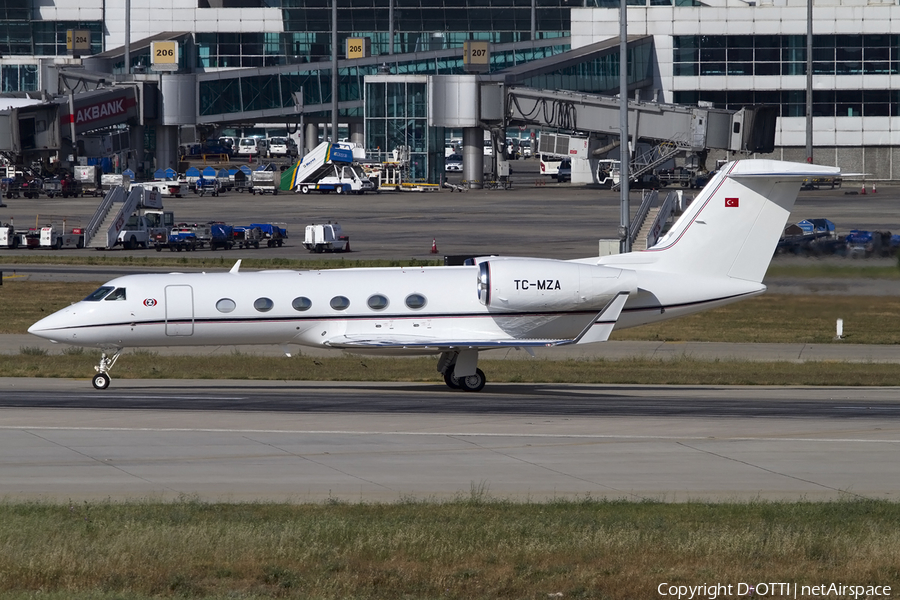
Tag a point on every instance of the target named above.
point(651, 218)
point(111, 216)
point(655, 157)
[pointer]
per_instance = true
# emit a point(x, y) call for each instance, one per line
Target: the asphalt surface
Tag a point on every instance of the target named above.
point(276, 441)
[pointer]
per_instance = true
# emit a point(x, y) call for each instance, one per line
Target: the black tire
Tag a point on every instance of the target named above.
point(256, 245)
point(473, 383)
point(339, 189)
point(158, 248)
point(58, 244)
point(304, 189)
point(450, 379)
point(132, 243)
point(101, 381)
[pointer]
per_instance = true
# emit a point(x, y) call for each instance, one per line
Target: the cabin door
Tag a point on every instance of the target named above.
point(179, 310)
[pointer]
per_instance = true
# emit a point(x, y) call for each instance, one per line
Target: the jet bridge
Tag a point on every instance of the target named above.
point(473, 104)
point(669, 129)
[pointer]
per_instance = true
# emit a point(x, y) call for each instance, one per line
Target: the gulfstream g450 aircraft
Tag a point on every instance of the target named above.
point(716, 253)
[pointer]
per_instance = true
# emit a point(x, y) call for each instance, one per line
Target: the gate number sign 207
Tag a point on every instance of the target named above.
point(478, 52)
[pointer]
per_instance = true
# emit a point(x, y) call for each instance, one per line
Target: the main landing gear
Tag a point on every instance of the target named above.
point(101, 379)
point(460, 370)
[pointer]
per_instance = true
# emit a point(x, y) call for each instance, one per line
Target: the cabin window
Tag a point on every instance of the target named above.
point(263, 304)
point(415, 301)
point(340, 303)
point(301, 303)
point(225, 305)
point(377, 302)
point(99, 294)
point(118, 294)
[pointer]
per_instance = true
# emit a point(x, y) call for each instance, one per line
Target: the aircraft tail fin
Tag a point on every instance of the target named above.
point(732, 227)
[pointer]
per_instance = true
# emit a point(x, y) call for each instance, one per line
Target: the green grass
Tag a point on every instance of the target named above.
point(471, 548)
point(678, 371)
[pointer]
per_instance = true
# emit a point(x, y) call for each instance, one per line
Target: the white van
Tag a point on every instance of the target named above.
point(247, 147)
point(278, 146)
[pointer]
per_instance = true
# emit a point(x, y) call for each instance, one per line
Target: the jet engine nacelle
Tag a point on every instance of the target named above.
point(533, 284)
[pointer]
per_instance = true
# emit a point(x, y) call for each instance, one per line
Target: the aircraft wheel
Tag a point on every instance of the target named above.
point(473, 383)
point(450, 379)
point(101, 381)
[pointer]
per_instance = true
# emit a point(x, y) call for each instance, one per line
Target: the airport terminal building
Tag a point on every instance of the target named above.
point(246, 61)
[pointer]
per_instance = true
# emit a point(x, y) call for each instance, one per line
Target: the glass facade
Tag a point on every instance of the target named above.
point(397, 115)
point(419, 26)
point(44, 38)
point(599, 75)
point(699, 55)
point(792, 103)
point(785, 54)
point(18, 78)
point(219, 95)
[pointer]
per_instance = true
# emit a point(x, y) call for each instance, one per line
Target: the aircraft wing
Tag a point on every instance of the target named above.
point(598, 330)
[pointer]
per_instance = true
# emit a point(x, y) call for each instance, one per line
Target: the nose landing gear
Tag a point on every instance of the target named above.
point(102, 380)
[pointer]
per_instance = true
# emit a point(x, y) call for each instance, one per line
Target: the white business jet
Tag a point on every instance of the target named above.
point(716, 253)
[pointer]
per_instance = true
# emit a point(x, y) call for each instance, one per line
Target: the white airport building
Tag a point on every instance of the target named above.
point(734, 53)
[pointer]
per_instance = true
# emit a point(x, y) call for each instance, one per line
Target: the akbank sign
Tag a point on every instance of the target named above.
point(102, 109)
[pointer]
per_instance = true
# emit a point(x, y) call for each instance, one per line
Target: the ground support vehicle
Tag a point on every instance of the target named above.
point(262, 182)
point(271, 233)
point(57, 238)
point(240, 179)
point(246, 237)
point(677, 176)
point(90, 180)
point(8, 236)
point(206, 185)
point(111, 180)
point(32, 187)
point(182, 238)
point(164, 187)
point(10, 187)
point(326, 237)
point(144, 228)
point(222, 236)
point(330, 167)
point(64, 187)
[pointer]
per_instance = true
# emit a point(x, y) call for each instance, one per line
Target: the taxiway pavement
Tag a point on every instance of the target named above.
point(307, 441)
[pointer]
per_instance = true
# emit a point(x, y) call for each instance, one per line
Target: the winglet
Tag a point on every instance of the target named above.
point(236, 266)
point(602, 326)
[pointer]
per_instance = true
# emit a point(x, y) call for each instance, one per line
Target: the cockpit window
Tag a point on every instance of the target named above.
point(118, 294)
point(99, 294)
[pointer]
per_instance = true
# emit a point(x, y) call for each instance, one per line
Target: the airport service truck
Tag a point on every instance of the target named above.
point(330, 168)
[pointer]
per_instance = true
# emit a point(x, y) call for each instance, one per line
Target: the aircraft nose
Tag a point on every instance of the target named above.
point(51, 327)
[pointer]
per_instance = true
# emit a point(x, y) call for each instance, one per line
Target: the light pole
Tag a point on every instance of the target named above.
point(624, 152)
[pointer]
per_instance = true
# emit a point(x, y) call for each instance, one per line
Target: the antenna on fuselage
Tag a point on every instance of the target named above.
point(236, 267)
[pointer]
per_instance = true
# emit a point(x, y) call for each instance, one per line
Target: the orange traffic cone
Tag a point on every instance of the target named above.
point(863, 192)
point(434, 249)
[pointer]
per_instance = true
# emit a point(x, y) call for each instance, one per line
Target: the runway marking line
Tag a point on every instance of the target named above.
point(588, 436)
